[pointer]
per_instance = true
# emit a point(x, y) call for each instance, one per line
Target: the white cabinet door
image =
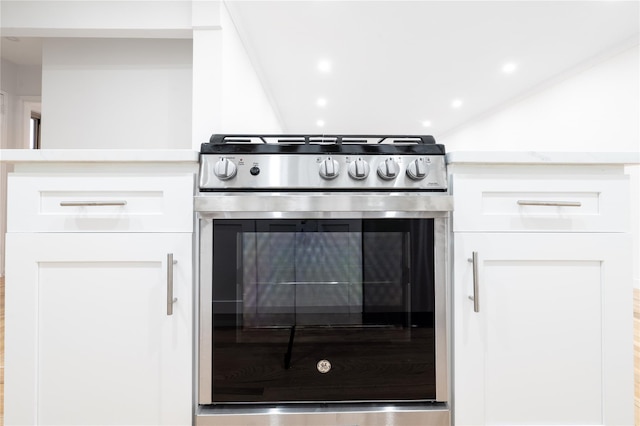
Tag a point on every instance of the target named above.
point(88, 337)
point(548, 345)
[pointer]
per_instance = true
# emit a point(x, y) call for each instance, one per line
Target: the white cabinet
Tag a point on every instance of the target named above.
point(91, 341)
point(534, 200)
point(550, 342)
point(90, 338)
point(100, 202)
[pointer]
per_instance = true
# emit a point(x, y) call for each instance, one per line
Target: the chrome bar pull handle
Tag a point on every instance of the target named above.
point(549, 203)
point(170, 299)
point(476, 290)
point(91, 203)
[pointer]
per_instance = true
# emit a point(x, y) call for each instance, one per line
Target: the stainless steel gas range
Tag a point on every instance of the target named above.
point(323, 280)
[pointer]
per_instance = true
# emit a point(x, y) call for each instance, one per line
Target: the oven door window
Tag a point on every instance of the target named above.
point(323, 310)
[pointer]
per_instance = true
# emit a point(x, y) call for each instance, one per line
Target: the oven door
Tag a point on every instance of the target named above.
point(308, 298)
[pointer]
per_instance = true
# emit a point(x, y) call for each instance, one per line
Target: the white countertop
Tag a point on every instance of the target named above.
point(14, 156)
point(191, 156)
point(535, 157)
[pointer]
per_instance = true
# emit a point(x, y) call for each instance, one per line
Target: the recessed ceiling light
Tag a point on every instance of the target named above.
point(320, 123)
point(509, 67)
point(426, 123)
point(324, 66)
point(321, 102)
point(456, 103)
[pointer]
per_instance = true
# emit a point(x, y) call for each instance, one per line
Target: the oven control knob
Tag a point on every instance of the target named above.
point(224, 169)
point(359, 169)
point(388, 169)
point(418, 169)
point(329, 168)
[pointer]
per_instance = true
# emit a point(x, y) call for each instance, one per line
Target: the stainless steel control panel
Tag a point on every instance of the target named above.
point(323, 171)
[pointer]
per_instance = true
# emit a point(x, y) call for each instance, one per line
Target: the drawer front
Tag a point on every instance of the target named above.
point(523, 203)
point(100, 203)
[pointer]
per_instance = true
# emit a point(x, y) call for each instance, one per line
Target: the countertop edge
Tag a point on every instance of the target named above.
point(535, 157)
point(14, 156)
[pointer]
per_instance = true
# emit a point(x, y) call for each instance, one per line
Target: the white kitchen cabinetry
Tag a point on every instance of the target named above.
point(100, 203)
point(91, 337)
point(92, 341)
point(542, 333)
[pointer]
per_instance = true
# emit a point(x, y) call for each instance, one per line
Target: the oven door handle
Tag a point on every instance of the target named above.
point(170, 299)
point(476, 289)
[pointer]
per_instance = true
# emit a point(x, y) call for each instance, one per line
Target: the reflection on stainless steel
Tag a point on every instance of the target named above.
point(205, 327)
point(441, 288)
point(388, 415)
point(322, 205)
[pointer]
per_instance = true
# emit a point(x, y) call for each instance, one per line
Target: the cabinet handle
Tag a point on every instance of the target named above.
point(170, 299)
point(91, 203)
point(475, 298)
point(549, 203)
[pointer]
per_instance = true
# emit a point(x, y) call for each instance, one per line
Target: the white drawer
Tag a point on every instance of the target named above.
point(538, 203)
point(81, 202)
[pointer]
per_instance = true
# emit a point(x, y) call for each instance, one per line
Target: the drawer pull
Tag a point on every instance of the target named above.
point(91, 203)
point(550, 203)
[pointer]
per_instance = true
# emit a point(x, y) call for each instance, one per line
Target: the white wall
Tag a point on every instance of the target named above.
point(19, 84)
point(595, 110)
point(116, 93)
point(96, 18)
point(29, 80)
point(228, 96)
point(22, 83)
point(9, 85)
point(21, 80)
point(246, 108)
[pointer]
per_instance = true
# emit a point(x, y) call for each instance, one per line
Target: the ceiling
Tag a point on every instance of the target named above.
point(411, 67)
point(22, 51)
point(420, 66)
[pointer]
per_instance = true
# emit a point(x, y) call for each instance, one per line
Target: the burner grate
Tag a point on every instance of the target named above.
point(321, 139)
